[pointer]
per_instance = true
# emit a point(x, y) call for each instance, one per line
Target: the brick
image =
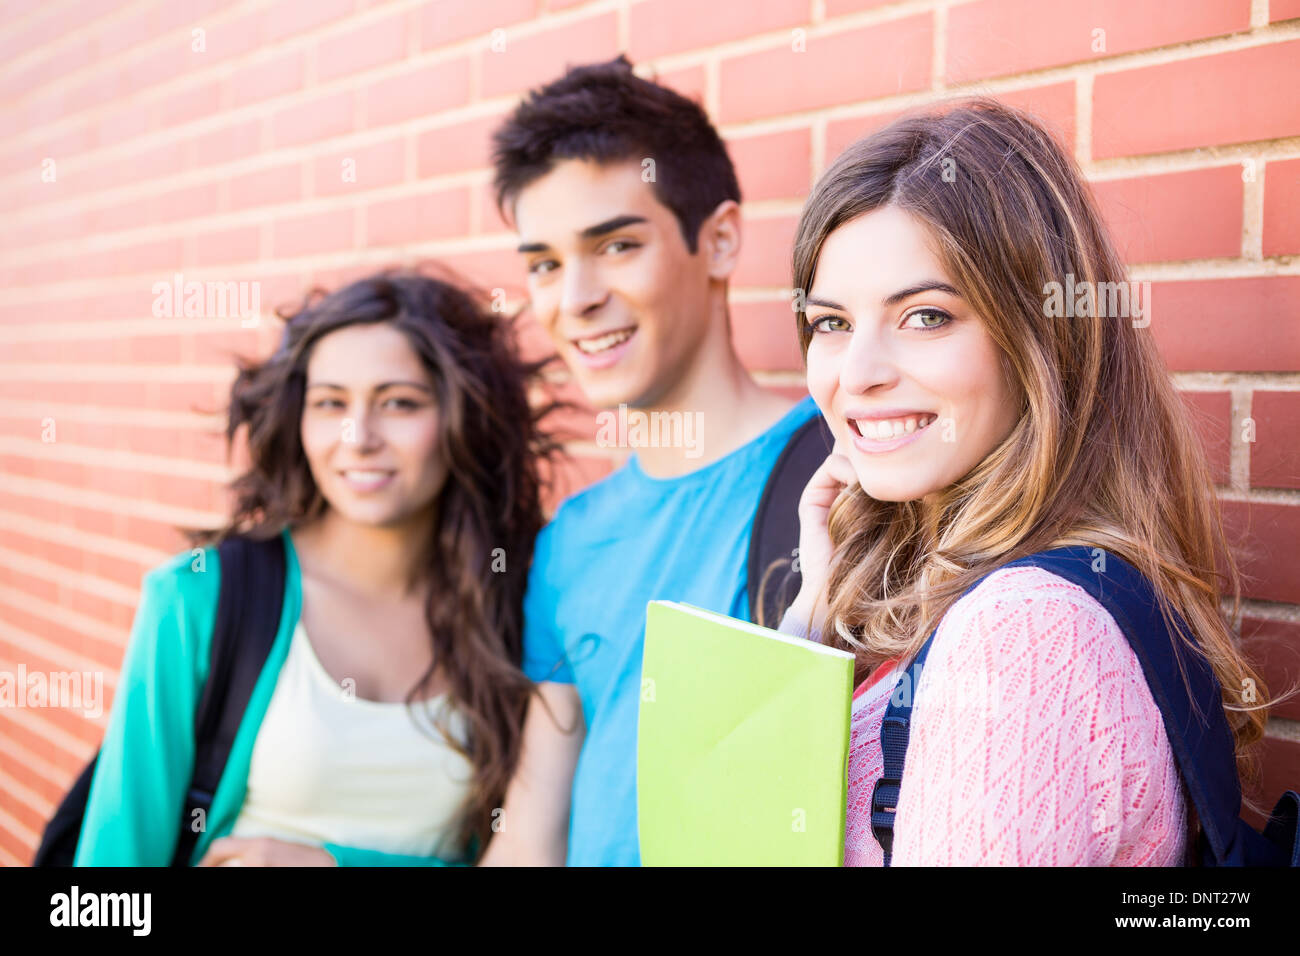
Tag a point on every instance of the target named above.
point(418, 218)
point(773, 165)
point(875, 61)
point(309, 122)
point(422, 92)
point(1052, 105)
point(307, 235)
point(660, 27)
point(1228, 325)
point(444, 22)
point(287, 18)
point(280, 74)
point(380, 43)
point(1217, 100)
point(231, 39)
point(490, 220)
point(455, 148)
point(190, 202)
point(764, 333)
point(1211, 414)
point(841, 134)
point(1279, 761)
point(1187, 215)
point(222, 246)
point(369, 167)
point(1281, 200)
point(1263, 537)
point(1000, 37)
point(114, 127)
point(836, 8)
point(489, 268)
point(765, 252)
point(224, 145)
point(689, 82)
point(1273, 648)
point(278, 184)
point(1275, 454)
point(1279, 10)
point(539, 57)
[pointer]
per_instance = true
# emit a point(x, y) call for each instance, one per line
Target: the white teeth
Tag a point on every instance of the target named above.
point(366, 477)
point(883, 430)
point(592, 346)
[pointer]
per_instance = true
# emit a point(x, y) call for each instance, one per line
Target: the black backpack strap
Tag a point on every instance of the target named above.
point(775, 533)
point(1199, 736)
point(248, 618)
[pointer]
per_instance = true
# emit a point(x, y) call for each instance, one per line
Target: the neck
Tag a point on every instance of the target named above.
point(381, 561)
point(716, 400)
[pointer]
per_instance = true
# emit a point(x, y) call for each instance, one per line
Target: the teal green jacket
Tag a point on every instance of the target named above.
point(137, 796)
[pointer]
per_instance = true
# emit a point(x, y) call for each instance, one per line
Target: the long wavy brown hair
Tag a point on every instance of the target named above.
point(493, 443)
point(1104, 453)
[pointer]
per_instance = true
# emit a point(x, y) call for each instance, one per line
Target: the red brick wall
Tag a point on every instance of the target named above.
point(128, 154)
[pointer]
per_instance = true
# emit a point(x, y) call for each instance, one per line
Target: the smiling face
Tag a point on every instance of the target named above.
point(903, 369)
point(370, 426)
point(612, 281)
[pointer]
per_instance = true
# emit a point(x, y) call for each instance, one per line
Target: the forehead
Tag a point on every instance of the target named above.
point(874, 255)
point(363, 354)
point(579, 193)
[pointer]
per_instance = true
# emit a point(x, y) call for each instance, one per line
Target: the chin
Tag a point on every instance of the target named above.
point(885, 489)
point(611, 391)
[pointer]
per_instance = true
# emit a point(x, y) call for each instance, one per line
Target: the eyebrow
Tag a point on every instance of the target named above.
point(378, 388)
point(897, 297)
point(591, 232)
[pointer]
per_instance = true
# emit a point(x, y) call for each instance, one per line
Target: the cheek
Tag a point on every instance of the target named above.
point(823, 373)
point(319, 435)
point(416, 439)
point(969, 379)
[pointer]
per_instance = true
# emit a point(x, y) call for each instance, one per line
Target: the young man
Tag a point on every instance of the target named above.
point(627, 210)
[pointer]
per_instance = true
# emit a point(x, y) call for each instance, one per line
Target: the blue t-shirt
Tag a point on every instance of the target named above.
point(620, 543)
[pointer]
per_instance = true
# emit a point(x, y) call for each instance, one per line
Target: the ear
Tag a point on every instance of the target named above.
point(720, 239)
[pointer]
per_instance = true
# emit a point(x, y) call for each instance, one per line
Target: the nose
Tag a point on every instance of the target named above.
point(584, 293)
point(869, 361)
point(366, 425)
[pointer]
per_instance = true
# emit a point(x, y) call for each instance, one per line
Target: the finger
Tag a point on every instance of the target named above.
point(223, 849)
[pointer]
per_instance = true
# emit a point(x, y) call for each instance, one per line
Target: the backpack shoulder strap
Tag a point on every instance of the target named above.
point(775, 532)
point(250, 603)
point(1199, 735)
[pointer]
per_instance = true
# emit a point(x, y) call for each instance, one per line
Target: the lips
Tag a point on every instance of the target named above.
point(366, 479)
point(604, 349)
point(603, 341)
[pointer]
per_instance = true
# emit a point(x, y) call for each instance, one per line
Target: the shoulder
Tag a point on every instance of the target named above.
point(188, 583)
point(1031, 622)
point(606, 494)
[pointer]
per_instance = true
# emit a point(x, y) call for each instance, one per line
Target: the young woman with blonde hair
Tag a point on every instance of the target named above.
point(977, 423)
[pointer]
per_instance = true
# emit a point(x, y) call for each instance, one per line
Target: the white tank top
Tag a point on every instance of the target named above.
point(331, 768)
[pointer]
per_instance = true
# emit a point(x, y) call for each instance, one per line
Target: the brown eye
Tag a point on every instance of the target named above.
point(819, 324)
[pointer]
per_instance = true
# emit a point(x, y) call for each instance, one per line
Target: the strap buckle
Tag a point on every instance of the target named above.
point(884, 804)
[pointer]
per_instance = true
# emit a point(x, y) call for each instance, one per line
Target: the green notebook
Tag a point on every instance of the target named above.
point(742, 743)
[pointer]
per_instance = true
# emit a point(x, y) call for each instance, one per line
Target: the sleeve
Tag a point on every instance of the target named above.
point(791, 624)
point(544, 657)
point(1031, 738)
point(133, 810)
point(356, 856)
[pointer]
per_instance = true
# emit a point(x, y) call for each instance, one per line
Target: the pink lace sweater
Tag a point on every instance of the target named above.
point(1034, 741)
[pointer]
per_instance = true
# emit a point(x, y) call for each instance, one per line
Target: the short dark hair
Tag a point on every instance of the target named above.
point(606, 113)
